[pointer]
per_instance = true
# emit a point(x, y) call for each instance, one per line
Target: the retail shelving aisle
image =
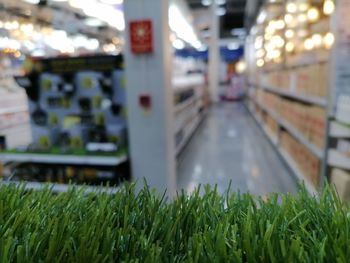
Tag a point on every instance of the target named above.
point(229, 146)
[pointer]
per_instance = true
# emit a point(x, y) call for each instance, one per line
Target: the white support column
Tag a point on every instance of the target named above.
point(214, 54)
point(151, 134)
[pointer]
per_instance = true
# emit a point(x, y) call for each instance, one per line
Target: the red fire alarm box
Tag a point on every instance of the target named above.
point(145, 101)
point(141, 37)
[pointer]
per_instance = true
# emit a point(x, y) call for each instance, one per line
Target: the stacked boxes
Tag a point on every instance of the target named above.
point(73, 108)
point(307, 119)
point(308, 163)
point(310, 80)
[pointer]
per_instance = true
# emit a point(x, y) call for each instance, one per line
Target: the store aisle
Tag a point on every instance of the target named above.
point(229, 146)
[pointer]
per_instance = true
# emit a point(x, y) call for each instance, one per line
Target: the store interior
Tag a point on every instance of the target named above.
point(251, 94)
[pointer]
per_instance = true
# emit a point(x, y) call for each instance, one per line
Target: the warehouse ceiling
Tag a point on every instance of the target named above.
point(238, 14)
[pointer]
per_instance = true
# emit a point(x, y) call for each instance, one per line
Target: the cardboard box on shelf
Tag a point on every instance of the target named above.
point(341, 180)
point(308, 164)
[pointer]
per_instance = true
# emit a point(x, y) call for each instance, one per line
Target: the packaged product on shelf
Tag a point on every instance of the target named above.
point(343, 146)
point(341, 180)
point(324, 73)
point(317, 125)
point(308, 164)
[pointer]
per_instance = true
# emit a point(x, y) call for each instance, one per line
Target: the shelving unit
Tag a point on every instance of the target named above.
point(285, 156)
point(63, 159)
point(298, 135)
point(61, 188)
point(288, 76)
point(322, 102)
point(68, 95)
point(190, 112)
point(338, 130)
point(338, 160)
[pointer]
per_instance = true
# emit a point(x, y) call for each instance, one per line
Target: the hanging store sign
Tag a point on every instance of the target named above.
point(141, 37)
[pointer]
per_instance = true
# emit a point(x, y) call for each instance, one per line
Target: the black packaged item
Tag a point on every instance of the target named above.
point(39, 117)
point(86, 119)
point(30, 83)
point(68, 86)
point(85, 104)
point(106, 83)
point(2, 143)
point(98, 134)
point(116, 109)
point(64, 140)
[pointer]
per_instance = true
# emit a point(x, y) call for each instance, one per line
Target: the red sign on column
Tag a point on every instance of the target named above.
point(141, 37)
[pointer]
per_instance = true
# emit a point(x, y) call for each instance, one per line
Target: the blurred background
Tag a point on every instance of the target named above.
point(182, 92)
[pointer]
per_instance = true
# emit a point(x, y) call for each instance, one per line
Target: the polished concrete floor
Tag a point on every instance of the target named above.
point(230, 147)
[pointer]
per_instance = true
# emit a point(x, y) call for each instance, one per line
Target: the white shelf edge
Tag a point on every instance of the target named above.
point(61, 188)
point(63, 159)
point(190, 132)
point(286, 157)
point(271, 137)
point(338, 160)
point(293, 131)
point(183, 82)
point(13, 110)
point(183, 105)
point(338, 130)
point(301, 97)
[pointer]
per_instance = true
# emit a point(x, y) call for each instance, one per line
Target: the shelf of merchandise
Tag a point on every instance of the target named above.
point(293, 131)
point(319, 101)
point(285, 156)
point(189, 131)
point(338, 160)
point(185, 82)
point(61, 188)
point(297, 172)
point(187, 113)
point(338, 130)
point(183, 105)
point(268, 133)
point(63, 159)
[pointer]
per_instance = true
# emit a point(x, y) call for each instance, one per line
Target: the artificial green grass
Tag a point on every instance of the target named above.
point(144, 227)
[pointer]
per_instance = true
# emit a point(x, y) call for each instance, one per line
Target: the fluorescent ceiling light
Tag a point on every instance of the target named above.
point(221, 11)
point(206, 2)
point(92, 44)
point(203, 48)
point(182, 28)
point(93, 22)
point(34, 2)
point(112, 2)
point(220, 2)
point(178, 44)
point(261, 17)
point(233, 46)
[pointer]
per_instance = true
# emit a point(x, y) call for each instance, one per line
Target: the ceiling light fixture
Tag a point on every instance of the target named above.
point(220, 2)
point(328, 7)
point(233, 46)
point(221, 11)
point(34, 2)
point(112, 2)
point(292, 8)
point(313, 14)
point(178, 44)
point(206, 2)
point(93, 22)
